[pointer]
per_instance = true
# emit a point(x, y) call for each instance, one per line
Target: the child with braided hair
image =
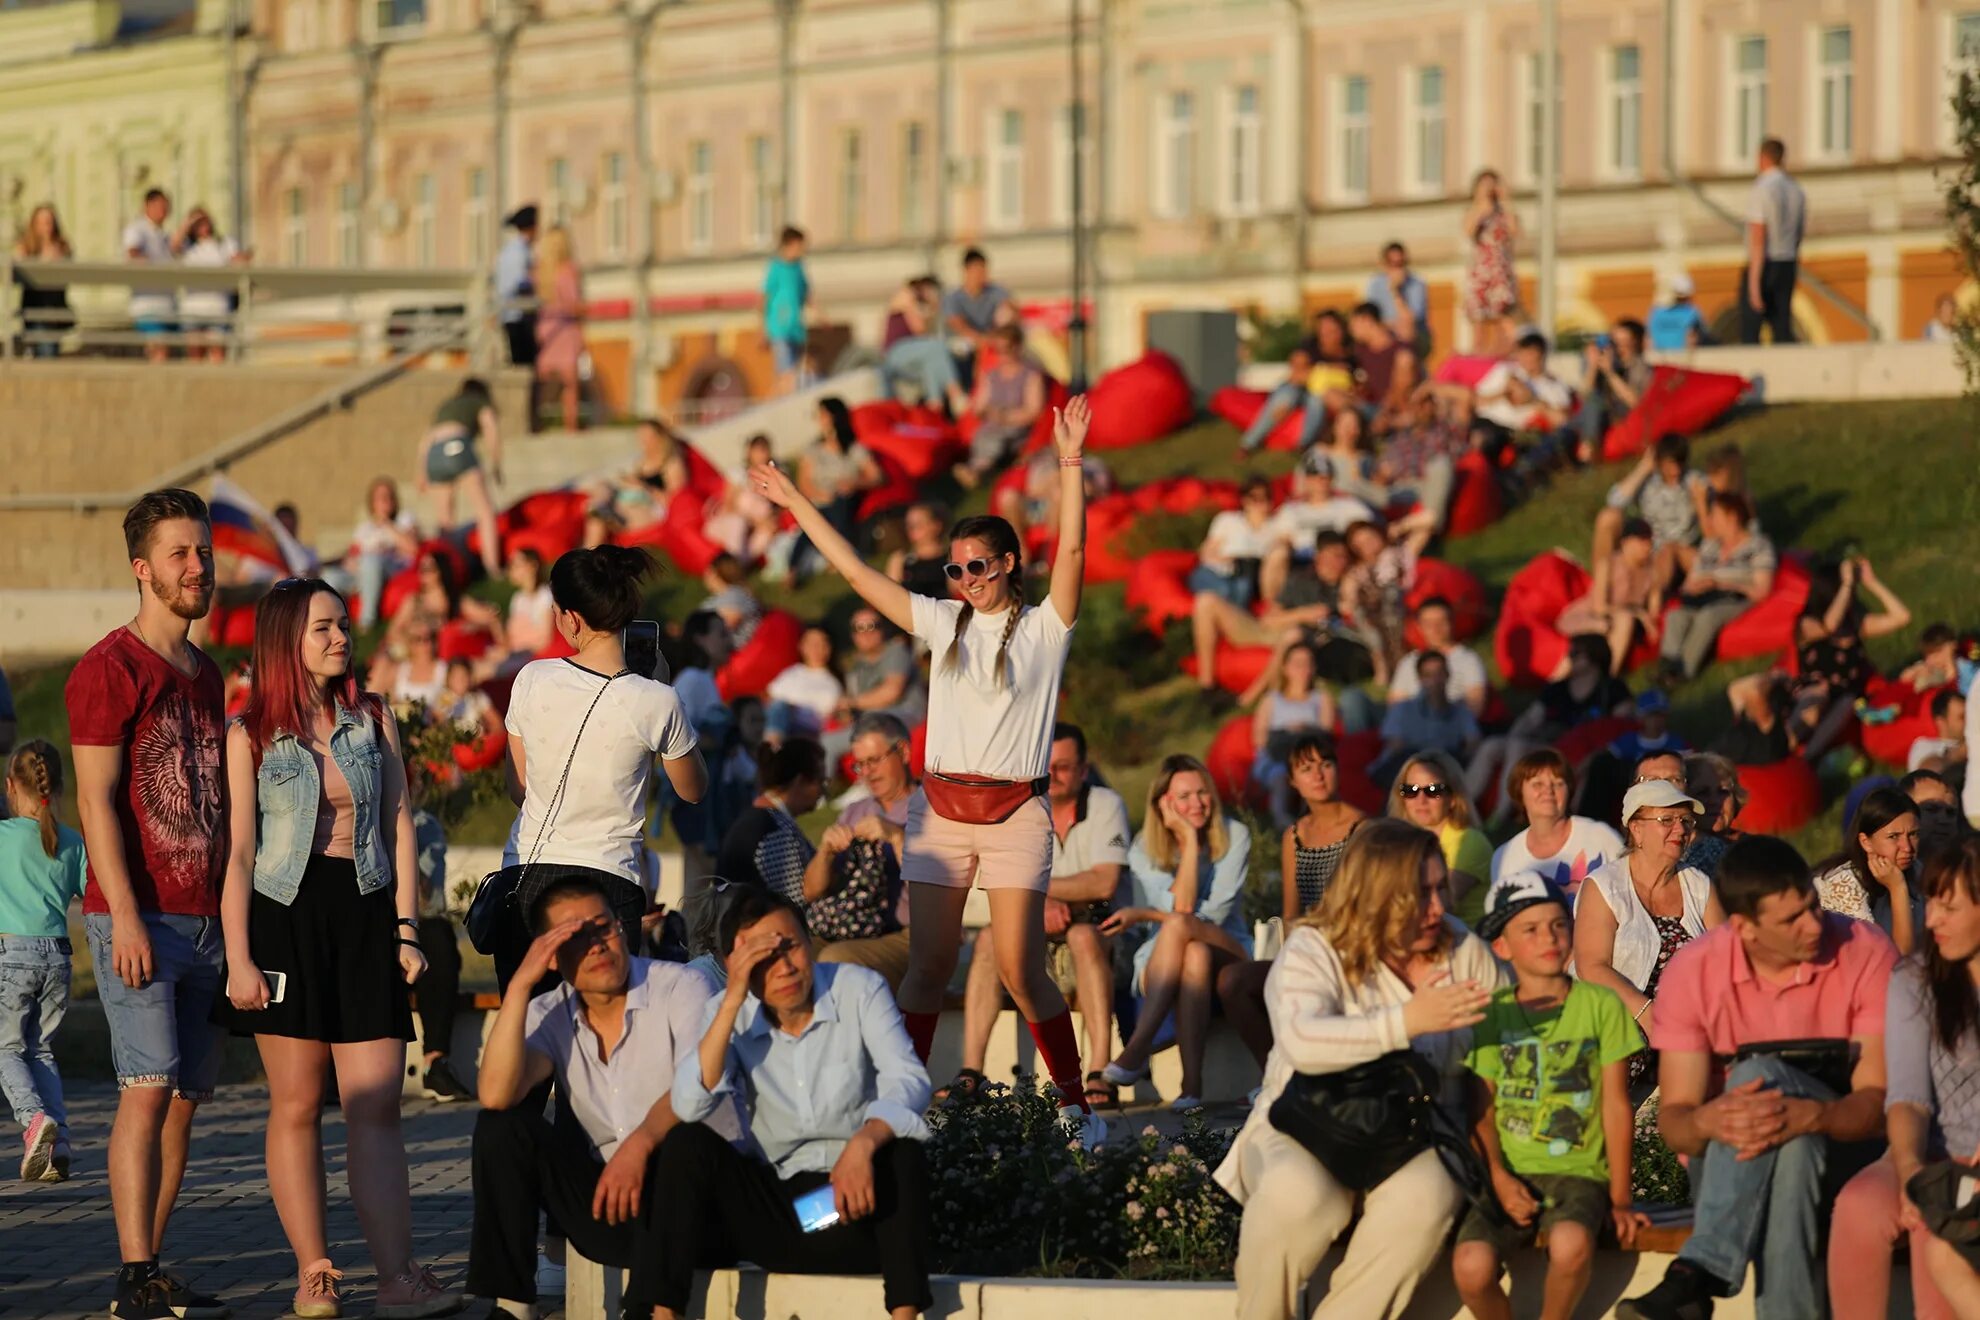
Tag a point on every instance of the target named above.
point(41, 869)
point(980, 816)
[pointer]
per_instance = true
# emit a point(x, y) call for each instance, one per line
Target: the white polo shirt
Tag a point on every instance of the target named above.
point(1100, 833)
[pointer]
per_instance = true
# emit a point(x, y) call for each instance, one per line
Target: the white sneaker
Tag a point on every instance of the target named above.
point(1089, 1127)
point(549, 1277)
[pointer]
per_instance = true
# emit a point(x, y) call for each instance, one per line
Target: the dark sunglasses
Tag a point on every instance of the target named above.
point(975, 568)
point(1423, 790)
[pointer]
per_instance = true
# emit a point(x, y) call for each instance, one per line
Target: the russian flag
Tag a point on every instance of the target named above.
point(242, 527)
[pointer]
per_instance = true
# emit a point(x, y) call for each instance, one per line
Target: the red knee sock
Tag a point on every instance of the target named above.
point(1059, 1047)
point(921, 1030)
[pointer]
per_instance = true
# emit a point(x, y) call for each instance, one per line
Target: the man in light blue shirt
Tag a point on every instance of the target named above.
point(834, 1095)
point(515, 286)
point(1403, 299)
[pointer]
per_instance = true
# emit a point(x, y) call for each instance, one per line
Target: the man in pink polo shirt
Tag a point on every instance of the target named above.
point(1745, 1018)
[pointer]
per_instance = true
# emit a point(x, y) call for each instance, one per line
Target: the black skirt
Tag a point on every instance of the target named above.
point(340, 951)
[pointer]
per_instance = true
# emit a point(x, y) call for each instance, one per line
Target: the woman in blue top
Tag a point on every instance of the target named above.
point(320, 912)
point(1187, 869)
point(41, 869)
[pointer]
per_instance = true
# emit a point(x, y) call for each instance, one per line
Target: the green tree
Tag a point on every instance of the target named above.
point(1959, 185)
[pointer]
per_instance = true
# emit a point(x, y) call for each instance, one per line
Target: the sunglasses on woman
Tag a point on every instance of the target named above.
point(1424, 790)
point(975, 568)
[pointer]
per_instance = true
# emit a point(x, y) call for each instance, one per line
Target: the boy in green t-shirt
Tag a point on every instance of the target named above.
point(1551, 1057)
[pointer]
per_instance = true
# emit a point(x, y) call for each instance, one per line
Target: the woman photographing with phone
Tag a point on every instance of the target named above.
point(994, 694)
point(320, 914)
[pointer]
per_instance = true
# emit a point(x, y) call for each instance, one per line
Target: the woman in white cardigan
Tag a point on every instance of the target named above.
point(1632, 914)
point(1379, 967)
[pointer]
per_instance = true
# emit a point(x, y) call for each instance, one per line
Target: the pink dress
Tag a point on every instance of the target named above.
point(559, 332)
point(1491, 289)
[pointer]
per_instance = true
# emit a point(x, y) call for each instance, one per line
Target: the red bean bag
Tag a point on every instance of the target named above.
point(1471, 605)
point(1142, 401)
point(1477, 502)
point(1108, 519)
point(1238, 667)
point(406, 581)
point(484, 752)
point(232, 625)
point(1591, 736)
point(771, 649)
point(1465, 369)
point(1890, 741)
point(1358, 751)
point(1679, 402)
point(678, 535)
point(463, 641)
point(1240, 407)
point(704, 478)
point(916, 452)
point(1781, 797)
point(870, 419)
point(1525, 643)
point(1159, 588)
point(1229, 759)
point(1056, 395)
point(897, 491)
point(1767, 628)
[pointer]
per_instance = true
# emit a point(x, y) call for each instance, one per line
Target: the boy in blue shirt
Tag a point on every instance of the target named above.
point(1552, 1062)
point(786, 293)
point(1678, 324)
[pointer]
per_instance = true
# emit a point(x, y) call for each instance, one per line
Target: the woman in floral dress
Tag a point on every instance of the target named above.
point(1491, 289)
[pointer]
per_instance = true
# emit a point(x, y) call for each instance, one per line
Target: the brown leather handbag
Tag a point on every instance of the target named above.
point(977, 799)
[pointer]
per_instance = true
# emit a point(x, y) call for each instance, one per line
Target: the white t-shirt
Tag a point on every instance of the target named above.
point(1467, 674)
point(376, 538)
point(1590, 846)
point(141, 236)
point(816, 692)
point(977, 726)
point(1232, 537)
point(1924, 749)
point(1101, 834)
point(601, 822)
point(211, 304)
point(1548, 392)
point(533, 611)
point(1300, 521)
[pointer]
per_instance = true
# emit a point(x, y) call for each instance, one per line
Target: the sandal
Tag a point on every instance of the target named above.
point(968, 1085)
point(1100, 1092)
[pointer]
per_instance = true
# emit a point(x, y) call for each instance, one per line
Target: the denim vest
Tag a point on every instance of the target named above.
point(288, 793)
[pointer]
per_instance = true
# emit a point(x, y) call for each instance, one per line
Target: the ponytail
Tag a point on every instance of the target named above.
point(36, 769)
point(601, 585)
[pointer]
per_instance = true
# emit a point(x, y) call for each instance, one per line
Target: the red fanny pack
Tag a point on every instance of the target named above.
point(977, 800)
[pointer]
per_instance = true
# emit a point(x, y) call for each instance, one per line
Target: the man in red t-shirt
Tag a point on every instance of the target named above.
point(146, 717)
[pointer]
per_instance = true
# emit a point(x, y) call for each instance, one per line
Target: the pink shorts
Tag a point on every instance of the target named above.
point(1015, 853)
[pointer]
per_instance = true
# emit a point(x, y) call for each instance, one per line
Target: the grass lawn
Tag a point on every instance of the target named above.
point(1895, 479)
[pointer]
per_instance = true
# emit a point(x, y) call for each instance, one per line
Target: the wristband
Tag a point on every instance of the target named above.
point(409, 921)
point(1079, 461)
point(413, 944)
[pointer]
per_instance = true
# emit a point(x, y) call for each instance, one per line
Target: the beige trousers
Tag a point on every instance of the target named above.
point(1295, 1210)
point(885, 954)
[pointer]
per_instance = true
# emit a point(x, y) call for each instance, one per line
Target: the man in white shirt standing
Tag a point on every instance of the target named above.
point(1775, 216)
point(146, 241)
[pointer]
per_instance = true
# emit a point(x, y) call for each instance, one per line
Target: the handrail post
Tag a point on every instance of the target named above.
point(7, 305)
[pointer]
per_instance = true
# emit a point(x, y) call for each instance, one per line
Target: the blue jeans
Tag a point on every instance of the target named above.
point(1277, 404)
point(162, 1032)
point(923, 359)
point(34, 997)
point(373, 570)
point(1766, 1210)
point(1237, 588)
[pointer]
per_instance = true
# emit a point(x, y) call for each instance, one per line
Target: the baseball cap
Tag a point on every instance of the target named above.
point(1316, 464)
point(1682, 285)
point(1512, 895)
point(1656, 793)
point(1652, 701)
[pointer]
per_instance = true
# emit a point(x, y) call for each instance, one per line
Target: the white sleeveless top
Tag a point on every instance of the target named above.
point(1637, 942)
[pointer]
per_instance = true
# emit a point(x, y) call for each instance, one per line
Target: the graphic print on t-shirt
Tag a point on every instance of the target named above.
point(1547, 1089)
point(175, 768)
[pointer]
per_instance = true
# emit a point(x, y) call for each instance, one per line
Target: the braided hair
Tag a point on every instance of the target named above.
point(36, 769)
point(1000, 539)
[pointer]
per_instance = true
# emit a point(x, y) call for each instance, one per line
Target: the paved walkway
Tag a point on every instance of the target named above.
point(58, 1246)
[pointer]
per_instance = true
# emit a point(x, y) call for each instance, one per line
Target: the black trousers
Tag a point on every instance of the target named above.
point(440, 987)
point(715, 1205)
point(1776, 307)
point(524, 1166)
point(522, 342)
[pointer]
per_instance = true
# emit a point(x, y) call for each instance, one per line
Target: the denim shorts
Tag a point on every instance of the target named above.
point(162, 1032)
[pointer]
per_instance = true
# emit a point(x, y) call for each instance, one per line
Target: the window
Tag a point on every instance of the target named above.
point(1351, 146)
point(914, 178)
point(612, 197)
point(295, 227)
point(1964, 49)
point(1749, 107)
point(475, 218)
point(700, 197)
point(760, 190)
point(1070, 126)
point(1966, 38)
point(348, 244)
point(1835, 82)
point(1530, 126)
point(560, 191)
point(1245, 161)
point(392, 16)
point(852, 185)
point(1626, 112)
point(1175, 156)
point(424, 200)
point(1426, 131)
point(1006, 170)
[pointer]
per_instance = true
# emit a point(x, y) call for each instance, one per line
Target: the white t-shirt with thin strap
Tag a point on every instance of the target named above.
point(977, 726)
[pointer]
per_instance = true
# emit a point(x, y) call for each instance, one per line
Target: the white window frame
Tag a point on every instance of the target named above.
point(1528, 171)
point(614, 216)
point(1175, 154)
point(474, 217)
point(914, 178)
point(1353, 139)
point(1244, 152)
point(295, 226)
point(1622, 148)
point(1004, 170)
point(1747, 94)
point(1948, 128)
point(698, 197)
point(350, 239)
point(425, 213)
point(852, 184)
point(1833, 96)
point(1427, 140)
point(759, 189)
